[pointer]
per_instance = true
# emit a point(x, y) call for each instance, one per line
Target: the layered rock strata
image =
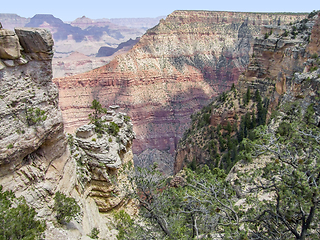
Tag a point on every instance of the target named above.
point(83, 37)
point(35, 161)
point(279, 68)
point(174, 70)
point(29, 99)
point(100, 159)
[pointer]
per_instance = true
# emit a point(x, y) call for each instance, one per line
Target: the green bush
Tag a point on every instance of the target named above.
point(10, 146)
point(313, 13)
point(35, 116)
point(94, 233)
point(284, 129)
point(113, 129)
point(126, 119)
point(123, 223)
point(65, 207)
point(17, 219)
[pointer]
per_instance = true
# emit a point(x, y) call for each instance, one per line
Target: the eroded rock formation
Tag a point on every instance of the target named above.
point(279, 68)
point(99, 158)
point(174, 70)
point(35, 159)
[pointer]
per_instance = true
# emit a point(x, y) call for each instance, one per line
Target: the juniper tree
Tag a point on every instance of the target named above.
point(291, 179)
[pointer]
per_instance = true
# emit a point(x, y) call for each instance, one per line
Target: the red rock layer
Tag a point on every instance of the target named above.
point(174, 70)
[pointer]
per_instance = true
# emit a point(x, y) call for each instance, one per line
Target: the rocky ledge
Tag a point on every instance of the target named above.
point(100, 156)
point(35, 161)
point(30, 116)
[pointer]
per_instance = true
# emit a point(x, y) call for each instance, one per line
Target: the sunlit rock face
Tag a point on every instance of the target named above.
point(174, 70)
point(36, 160)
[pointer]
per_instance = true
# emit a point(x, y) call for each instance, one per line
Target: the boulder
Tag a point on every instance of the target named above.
point(9, 63)
point(2, 65)
point(107, 118)
point(85, 131)
point(37, 42)
point(9, 45)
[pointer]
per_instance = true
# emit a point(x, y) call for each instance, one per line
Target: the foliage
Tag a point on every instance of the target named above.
point(10, 146)
point(223, 97)
point(267, 34)
point(313, 13)
point(198, 207)
point(70, 140)
point(113, 129)
point(292, 180)
point(94, 233)
point(17, 219)
point(35, 115)
point(97, 110)
point(65, 207)
point(126, 119)
point(124, 225)
point(95, 117)
point(314, 56)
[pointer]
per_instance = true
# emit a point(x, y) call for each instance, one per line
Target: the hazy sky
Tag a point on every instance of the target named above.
point(69, 10)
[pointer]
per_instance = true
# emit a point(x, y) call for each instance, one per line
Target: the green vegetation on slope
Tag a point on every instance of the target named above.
point(220, 145)
point(17, 219)
point(278, 200)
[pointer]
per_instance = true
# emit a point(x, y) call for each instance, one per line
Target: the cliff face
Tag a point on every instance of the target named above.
point(35, 159)
point(174, 70)
point(280, 54)
point(29, 99)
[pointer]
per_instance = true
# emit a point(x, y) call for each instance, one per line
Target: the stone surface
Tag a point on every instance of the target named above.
point(35, 161)
point(314, 45)
point(279, 68)
point(100, 159)
point(9, 45)
point(37, 42)
point(174, 70)
point(85, 131)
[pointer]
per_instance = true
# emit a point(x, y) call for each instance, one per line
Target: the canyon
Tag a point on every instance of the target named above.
point(149, 93)
point(78, 43)
point(175, 69)
point(283, 67)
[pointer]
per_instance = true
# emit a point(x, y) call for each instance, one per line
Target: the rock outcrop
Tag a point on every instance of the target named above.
point(29, 99)
point(35, 159)
point(283, 66)
point(108, 51)
point(174, 70)
point(9, 45)
point(100, 158)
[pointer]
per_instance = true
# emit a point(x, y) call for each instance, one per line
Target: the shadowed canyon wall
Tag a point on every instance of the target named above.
point(174, 70)
point(282, 67)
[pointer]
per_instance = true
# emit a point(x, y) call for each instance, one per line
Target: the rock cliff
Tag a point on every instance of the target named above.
point(35, 159)
point(283, 67)
point(174, 70)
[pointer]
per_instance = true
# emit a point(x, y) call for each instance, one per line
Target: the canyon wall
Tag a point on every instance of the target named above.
point(174, 70)
point(36, 160)
point(279, 66)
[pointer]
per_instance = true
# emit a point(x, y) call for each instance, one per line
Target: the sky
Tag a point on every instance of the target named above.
point(69, 10)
